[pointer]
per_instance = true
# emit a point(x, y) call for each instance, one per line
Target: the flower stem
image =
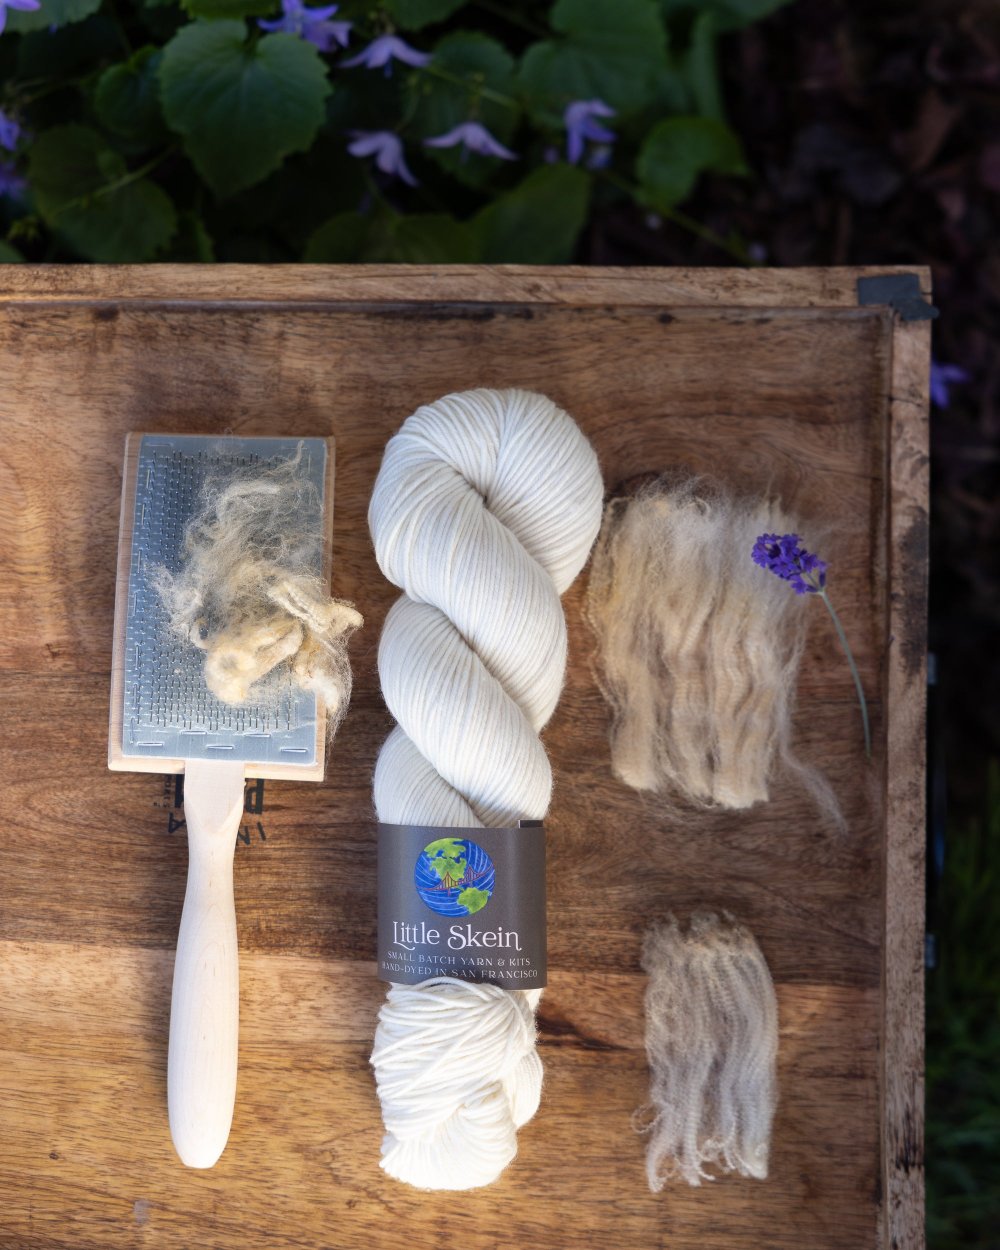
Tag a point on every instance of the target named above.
point(683, 220)
point(125, 180)
point(854, 672)
point(478, 90)
point(516, 19)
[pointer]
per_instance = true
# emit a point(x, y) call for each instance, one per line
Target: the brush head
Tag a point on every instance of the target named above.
point(162, 711)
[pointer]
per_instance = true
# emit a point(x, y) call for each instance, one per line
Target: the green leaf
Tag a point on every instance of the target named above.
point(676, 151)
point(241, 106)
point(416, 14)
point(192, 242)
point(338, 241)
point(480, 83)
point(539, 221)
point(203, 249)
point(612, 50)
point(9, 255)
point(229, 8)
point(701, 69)
point(432, 239)
point(127, 99)
point(52, 13)
point(66, 163)
point(728, 14)
point(73, 174)
point(390, 238)
point(125, 226)
point(297, 198)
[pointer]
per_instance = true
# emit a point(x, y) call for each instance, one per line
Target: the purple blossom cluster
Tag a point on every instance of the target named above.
point(11, 182)
point(943, 378)
point(313, 25)
point(10, 131)
point(783, 555)
point(474, 138)
point(381, 53)
point(26, 6)
point(386, 147)
point(582, 127)
point(581, 117)
point(317, 26)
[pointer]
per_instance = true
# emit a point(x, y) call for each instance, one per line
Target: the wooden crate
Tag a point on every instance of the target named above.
point(758, 377)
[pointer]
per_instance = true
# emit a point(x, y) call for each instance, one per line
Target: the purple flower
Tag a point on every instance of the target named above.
point(475, 138)
point(386, 147)
point(26, 6)
point(11, 182)
point(781, 555)
point(600, 156)
point(313, 25)
point(10, 132)
point(942, 378)
point(582, 126)
point(386, 49)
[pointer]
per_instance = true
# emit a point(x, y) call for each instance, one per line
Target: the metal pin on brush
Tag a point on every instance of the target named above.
point(166, 718)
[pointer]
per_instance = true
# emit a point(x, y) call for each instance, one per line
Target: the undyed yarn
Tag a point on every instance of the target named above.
point(698, 654)
point(249, 596)
point(712, 1043)
point(484, 511)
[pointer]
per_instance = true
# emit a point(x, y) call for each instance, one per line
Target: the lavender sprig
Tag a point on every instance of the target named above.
point(785, 557)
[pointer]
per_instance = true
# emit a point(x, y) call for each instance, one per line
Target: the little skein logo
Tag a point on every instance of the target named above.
point(454, 876)
point(486, 890)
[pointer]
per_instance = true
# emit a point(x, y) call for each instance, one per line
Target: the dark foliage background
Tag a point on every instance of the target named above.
point(819, 132)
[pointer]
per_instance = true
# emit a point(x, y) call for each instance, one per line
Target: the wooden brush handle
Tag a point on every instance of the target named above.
point(205, 1008)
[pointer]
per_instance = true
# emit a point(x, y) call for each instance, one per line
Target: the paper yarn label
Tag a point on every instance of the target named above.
point(465, 903)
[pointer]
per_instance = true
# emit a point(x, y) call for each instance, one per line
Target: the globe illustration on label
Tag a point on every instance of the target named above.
point(454, 877)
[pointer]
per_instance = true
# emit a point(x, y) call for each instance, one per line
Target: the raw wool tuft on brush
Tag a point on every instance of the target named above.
point(248, 594)
point(484, 511)
point(712, 1044)
point(698, 654)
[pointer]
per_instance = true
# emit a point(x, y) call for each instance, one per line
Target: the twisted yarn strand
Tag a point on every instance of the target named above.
point(484, 511)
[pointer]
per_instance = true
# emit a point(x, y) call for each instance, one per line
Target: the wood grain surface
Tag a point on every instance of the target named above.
point(764, 379)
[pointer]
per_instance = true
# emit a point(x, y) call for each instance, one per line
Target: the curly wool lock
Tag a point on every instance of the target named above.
point(248, 594)
point(697, 656)
point(712, 1045)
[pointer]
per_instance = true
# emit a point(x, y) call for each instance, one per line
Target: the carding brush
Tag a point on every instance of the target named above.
point(164, 719)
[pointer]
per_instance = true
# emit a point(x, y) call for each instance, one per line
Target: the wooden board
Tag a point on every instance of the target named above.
point(763, 378)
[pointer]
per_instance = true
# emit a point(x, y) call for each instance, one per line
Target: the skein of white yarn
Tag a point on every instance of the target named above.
point(484, 511)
